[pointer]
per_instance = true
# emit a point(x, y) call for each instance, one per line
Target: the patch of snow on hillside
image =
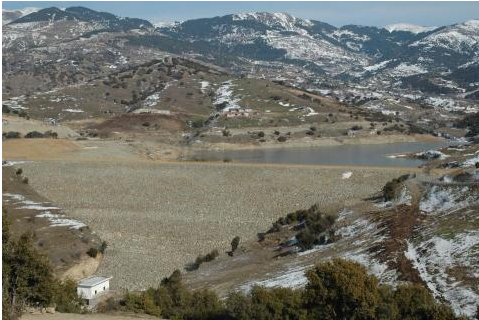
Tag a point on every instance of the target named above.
point(472, 161)
point(311, 112)
point(442, 199)
point(14, 196)
point(321, 52)
point(406, 70)
point(294, 277)
point(348, 34)
point(373, 266)
point(404, 198)
point(73, 110)
point(377, 66)
point(436, 257)
point(224, 94)
point(358, 227)
point(57, 220)
point(413, 28)
point(204, 85)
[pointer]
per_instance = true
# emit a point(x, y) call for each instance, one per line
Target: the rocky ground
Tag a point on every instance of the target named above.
point(158, 217)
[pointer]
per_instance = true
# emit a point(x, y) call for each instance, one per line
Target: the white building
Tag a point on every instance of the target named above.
point(91, 288)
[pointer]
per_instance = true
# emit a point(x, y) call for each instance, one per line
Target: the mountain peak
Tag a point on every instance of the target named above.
point(85, 15)
point(276, 19)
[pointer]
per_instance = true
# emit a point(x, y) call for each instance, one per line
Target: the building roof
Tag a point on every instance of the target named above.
point(92, 281)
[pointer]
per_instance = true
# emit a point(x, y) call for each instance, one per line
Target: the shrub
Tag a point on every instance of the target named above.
point(313, 223)
point(261, 236)
point(261, 134)
point(310, 133)
point(50, 134)
point(477, 165)
point(390, 188)
point(276, 132)
point(66, 298)
point(234, 244)
point(11, 135)
point(312, 129)
point(306, 239)
point(226, 133)
point(197, 123)
point(336, 289)
point(103, 246)
point(34, 134)
point(282, 139)
point(109, 305)
point(92, 252)
point(25, 180)
point(19, 171)
point(356, 128)
point(201, 259)
point(28, 278)
point(341, 289)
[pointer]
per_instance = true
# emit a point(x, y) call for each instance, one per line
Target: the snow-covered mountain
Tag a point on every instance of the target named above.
point(460, 38)
point(401, 50)
point(277, 45)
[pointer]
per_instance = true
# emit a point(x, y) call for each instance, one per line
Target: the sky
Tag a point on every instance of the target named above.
point(337, 13)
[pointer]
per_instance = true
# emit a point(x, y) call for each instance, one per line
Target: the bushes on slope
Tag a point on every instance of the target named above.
point(337, 289)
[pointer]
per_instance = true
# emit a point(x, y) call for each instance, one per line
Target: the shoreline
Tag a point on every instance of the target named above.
point(317, 143)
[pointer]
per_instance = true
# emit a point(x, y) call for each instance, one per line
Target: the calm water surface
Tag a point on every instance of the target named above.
point(344, 155)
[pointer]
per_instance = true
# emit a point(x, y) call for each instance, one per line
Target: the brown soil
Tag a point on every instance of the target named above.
point(399, 224)
point(33, 149)
point(140, 122)
point(65, 247)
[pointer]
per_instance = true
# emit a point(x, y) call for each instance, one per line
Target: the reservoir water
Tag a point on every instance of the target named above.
point(343, 155)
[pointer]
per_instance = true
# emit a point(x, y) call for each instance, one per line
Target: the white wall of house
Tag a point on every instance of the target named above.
point(91, 292)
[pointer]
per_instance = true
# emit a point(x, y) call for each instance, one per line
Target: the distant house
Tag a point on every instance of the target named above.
point(89, 289)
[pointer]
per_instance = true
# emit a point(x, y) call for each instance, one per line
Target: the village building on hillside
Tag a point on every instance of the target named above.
point(89, 289)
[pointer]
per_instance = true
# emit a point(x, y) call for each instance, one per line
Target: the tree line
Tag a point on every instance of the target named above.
point(337, 289)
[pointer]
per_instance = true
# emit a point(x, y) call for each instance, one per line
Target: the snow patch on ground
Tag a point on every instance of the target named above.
point(358, 227)
point(377, 66)
point(405, 70)
point(204, 86)
point(12, 163)
point(374, 267)
point(294, 277)
point(436, 257)
point(472, 161)
point(58, 220)
point(347, 175)
point(224, 94)
point(14, 196)
point(441, 199)
point(73, 110)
